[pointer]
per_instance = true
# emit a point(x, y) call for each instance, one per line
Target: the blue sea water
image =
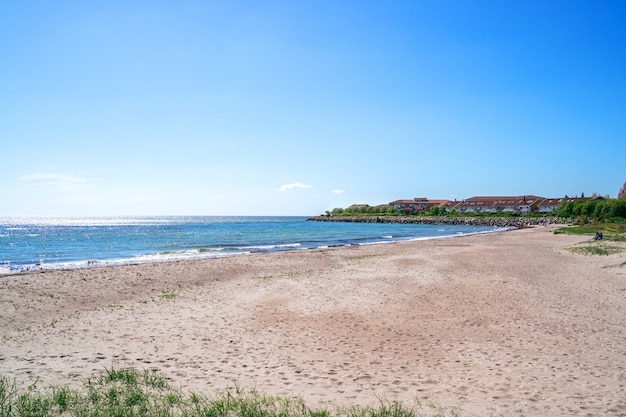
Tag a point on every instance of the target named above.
point(54, 243)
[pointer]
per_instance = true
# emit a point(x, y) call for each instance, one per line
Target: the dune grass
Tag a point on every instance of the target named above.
point(612, 232)
point(135, 393)
point(598, 249)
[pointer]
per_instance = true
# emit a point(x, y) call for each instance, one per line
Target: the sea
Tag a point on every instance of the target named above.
point(43, 243)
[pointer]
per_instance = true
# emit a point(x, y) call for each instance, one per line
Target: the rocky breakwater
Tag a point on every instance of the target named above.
point(512, 222)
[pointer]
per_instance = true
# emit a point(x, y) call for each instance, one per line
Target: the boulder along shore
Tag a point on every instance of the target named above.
point(512, 222)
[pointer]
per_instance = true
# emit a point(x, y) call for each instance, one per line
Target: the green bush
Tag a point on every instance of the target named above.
point(599, 210)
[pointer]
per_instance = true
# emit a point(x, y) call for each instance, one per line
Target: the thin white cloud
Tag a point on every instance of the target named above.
point(287, 187)
point(338, 191)
point(57, 181)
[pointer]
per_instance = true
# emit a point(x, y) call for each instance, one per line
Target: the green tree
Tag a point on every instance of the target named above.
point(618, 208)
point(565, 209)
point(601, 209)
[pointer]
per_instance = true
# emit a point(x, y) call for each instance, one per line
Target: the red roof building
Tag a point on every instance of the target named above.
point(417, 204)
point(500, 204)
point(549, 205)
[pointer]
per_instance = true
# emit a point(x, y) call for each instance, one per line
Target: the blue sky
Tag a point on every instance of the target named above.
point(297, 107)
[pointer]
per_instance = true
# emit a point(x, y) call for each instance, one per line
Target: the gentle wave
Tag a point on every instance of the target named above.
point(28, 244)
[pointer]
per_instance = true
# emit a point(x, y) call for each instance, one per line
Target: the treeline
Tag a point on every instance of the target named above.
point(600, 209)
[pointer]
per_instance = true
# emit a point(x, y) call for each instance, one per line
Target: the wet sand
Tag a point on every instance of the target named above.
point(506, 322)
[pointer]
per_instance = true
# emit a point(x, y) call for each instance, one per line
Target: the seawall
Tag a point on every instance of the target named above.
point(469, 221)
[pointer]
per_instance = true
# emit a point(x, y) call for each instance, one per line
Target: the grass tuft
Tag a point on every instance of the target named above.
point(168, 295)
point(360, 257)
point(612, 232)
point(608, 229)
point(598, 249)
point(130, 392)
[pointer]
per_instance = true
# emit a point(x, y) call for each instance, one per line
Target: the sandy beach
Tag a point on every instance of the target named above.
point(506, 322)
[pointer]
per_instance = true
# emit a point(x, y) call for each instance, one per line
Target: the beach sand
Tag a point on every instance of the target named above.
point(506, 322)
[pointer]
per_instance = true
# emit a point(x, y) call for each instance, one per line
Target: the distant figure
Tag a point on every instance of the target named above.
point(599, 236)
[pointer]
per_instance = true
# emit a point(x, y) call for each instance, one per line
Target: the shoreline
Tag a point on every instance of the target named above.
point(501, 321)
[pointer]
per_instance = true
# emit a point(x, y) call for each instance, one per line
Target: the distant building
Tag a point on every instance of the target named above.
point(451, 205)
point(359, 206)
point(549, 205)
point(499, 204)
point(438, 203)
point(523, 204)
point(417, 204)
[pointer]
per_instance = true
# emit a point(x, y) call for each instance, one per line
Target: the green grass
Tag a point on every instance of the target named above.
point(360, 257)
point(596, 249)
point(134, 393)
point(168, 295)
point(292, 274)
point(622, 265)
point(611, 229)
point(612, 232)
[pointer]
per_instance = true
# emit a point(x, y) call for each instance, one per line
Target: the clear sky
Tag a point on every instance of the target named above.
point(297, 107)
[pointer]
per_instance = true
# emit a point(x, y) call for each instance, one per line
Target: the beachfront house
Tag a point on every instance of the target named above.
point(500, 204)
point(358, 206)
point(450, 205)
point(411, 206)
point(439, 203)
point(418, 204)
point(549, 205)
